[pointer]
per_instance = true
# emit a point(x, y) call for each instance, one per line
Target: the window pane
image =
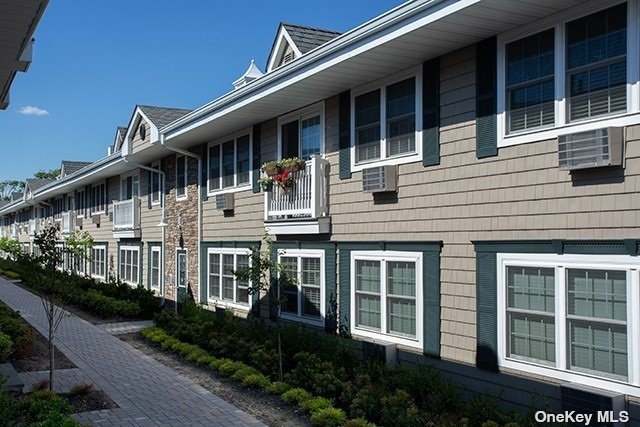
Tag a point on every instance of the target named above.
point(402, 316)
point(401, 118)
point(227, 277)
point(598, 347)
point(367, 126)
point(311, 287)
point(214, 167)
point(531, 288)
point(242, 290)
point(243, 159)
point(214, 276)
point(288, 284)
point(310, 137)
point(532, 336)
point(597, 293)
point(228, 160)
point(368, 276)
point(368, 311)
point(401, 278)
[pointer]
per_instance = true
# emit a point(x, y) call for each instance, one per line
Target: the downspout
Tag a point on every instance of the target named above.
point(162, 218)
point(199, 177)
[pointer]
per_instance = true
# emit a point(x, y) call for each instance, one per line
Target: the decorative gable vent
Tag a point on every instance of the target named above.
point(380, 179)
point(590, 149)
point(225, 202)
point(589, 400)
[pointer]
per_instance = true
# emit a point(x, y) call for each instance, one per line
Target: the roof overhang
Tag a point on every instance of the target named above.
point(18, 21)
point(409, 34)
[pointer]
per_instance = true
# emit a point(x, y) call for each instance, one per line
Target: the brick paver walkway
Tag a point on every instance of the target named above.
point(147, 392)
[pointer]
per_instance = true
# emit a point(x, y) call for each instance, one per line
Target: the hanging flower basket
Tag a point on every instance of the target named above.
point(293, 164)
point(284, 180)
point(271, 168)
point(266, 184)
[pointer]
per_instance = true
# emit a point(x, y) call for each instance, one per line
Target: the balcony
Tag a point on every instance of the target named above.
point(34, 227)
point(303, 208)
point(14, 231)
point(126, 218)
point(68, 223)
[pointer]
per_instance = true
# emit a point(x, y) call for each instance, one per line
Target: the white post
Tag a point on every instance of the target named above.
point(315, 176)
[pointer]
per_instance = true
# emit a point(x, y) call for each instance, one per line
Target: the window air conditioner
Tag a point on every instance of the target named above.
point(590, 149)
point(225, 202)
point(380, 179)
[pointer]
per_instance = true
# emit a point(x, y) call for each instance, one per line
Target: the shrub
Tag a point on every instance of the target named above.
point(169, 343)
point(82, 389)
point(6, 347)
point(316, 403)
point(484, 407)
point(12, 275)
point(278, 387)
point(400, 408)
point(215, 363)
point(206, 359)
point(9, 405)
point(244, 371)
point(256, 381)
point(229, 367)
point(329, 417)
point(40, 386)
point(56, 419)
point(359, 422)
point(25, 344)
point(313, 374)
point(296, 396)
point(41, 403)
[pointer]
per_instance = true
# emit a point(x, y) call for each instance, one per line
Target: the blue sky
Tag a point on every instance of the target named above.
point(94, 61)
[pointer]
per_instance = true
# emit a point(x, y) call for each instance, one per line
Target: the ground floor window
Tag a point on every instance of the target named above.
point(302, 284)
point(99, 261)
point(154, 268)
point(129, 265)
point(386, 295)
point(223, 286)
point(571, 316)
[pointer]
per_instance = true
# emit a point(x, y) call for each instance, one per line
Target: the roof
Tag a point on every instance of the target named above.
point(35, 183)
point(161, 116)
point(308, 38)
point(68, 167)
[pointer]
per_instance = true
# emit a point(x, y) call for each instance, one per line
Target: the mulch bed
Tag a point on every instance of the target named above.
point(268, 408)
point(94, 401)
point(39, 359)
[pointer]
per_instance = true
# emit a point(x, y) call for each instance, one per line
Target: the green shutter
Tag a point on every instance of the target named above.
point(431, 113)
point(431, 291)
point(204, 270)
point(486, 124)
point(344, 138)
point(204, 159)
point(487, 313)
point(344, 303)
point(256, 157)
point(330, 322)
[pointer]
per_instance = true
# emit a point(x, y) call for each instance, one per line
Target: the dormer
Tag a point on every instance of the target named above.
point(292, 41)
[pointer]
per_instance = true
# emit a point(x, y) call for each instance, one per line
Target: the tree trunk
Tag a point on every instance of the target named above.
point(279, 348)
point(51, 347)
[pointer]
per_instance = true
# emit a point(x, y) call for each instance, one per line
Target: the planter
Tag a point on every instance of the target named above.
point(271, 170)
point(267, 187)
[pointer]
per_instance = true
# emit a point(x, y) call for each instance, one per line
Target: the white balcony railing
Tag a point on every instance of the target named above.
point(307, 198)
point(34, 227)
point(126, 215)
point(68, 223)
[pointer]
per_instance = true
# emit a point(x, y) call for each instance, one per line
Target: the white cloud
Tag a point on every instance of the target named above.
point(33, 111)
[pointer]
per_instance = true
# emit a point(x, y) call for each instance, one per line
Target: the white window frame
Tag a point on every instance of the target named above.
point(158, 194)
point(184, 158)
point(99, 207)
point(561, 126)
point(308, 112)
point(80, 195)
point(235, 188)
point(383, 257)
point(415, 72)
point(135, 181)
point(220, 302)
point(155, 250)
point(560, 371)
point(306, 253)
point(185, 252)
point(121, 259)
point(103, 249)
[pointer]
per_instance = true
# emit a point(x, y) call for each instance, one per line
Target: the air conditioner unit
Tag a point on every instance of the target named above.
point(590, 400)
point(95, 219)
point(225, 202)
point(590, 149)
point(380, 179)
point(79, 222)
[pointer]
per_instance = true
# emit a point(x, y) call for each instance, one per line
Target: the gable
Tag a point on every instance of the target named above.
point(292, 41)
point(284, 50)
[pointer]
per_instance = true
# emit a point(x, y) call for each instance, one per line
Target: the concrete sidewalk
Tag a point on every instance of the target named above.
point(147, 392)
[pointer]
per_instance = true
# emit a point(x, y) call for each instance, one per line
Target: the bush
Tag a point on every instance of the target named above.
point(245, 371)
point(400, 409)
point(229, 367)
point(330, 417)
point(359, 422)
point(42, 385)
point(256, 381)
point(316, 403)
point(278, 387)
point(484, 407)
point(313, 374)
point(6, 347)
point(296, 396)
point(25, 344)
point(83, 389)
point(41, 404)
point(12, 275)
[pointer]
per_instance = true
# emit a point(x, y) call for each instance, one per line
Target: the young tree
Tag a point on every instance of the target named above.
point(266, 275)
point(79, 244)
point(10, 246)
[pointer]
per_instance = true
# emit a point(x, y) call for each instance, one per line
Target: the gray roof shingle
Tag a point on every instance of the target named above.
point(308, 38)
point(161, 116)
point(35, 183)
point(69, 166)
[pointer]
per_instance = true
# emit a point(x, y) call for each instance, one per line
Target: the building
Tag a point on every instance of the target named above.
point(469, 198)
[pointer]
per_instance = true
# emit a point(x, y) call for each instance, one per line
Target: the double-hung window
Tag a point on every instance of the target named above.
point(386, 296)
point(155, 184)
point(99, 261)
point(224, 287)
point(129, 265)
point(98, 199)
point(80, 204)
point(572, 76)
point(573, 317)
point(386, 120)
point(301, 134)
point(181, 177)
point(154, 268)
point(302, 284)
point(230, 163)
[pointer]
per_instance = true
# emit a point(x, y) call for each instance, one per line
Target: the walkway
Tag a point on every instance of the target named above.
point(147, 392)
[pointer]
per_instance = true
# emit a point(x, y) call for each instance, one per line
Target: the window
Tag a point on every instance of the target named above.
point(301, 134)
point(181, 268)
point(302, 284)
point(58, 208)
point(223, 286)
point(129, 187)
point(129, 267)
point(80, 203)
point(229, 163)
point(573, 76)
point(98, 199)
point(386, 120)
point(99, 261)
point(155, 184)
point(387, 296)
point(181, 177)
point(154, 268)
point(569, 316)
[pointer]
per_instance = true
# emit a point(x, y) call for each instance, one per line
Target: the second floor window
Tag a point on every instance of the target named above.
point(181, 177)
point(98, 198)
point(80, 203)
point(229, 163)
point(301, 133)
point(155, 184)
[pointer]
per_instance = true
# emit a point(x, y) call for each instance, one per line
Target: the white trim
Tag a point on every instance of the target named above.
point(185, 196)
point(220, 302)
point(382, 257)
point(416, 72)
point(218, 142)
point(561, 126)
point(154, 249)
point(156, 165)
point(559, 370)
point(299, 254)
point(278, 49)
point(132, 248)
point(180, 251)
point(91, 261)
point(317, 109)
point(133, 174)
point(126, 147)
